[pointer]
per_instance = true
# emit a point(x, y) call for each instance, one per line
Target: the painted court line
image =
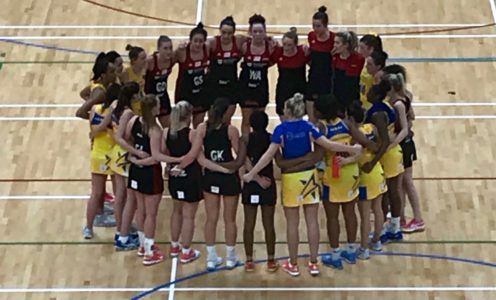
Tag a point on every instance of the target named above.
point(493, 9)
point(172, 287)
point(185, 37)
point(49, 27)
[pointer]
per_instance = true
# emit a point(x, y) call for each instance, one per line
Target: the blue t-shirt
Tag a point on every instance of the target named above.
point(295, 137)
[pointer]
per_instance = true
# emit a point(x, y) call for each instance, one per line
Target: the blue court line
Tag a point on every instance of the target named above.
point(403, 254)
point(393, 59)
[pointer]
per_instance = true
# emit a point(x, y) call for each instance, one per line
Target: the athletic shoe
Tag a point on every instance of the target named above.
point(413, 226)
point(189, 257)
point(108, 209)
point(363, 254)
point(292, 270)
point(349, 257)
point(249, 266)
point(108, 197)
point(377, 246)
point(232, 262)
point(127, 246)
point(155, 258)
point(327, 260)
point(213, 264)
point(313, 268)
point(141, 250)
point(104, 221)
point(87, 233)
point(175, 251)
point(272, 266)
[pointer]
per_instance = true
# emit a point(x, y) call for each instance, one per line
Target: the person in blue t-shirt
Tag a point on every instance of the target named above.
point(300, 185)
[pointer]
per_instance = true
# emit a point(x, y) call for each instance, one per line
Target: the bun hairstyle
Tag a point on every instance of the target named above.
point(372, 41)
point(292, 34)
point(199, 29)
point(296, 106)
point(100, 66)
point(395, 69)
point(229, 21)
point(321, 15)
point(256, 19)
point(134, 52)
point(379, 58)
point(350, 38)
point(181, 112)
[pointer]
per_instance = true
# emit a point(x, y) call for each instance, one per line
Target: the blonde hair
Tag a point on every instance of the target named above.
point(148, 103)
point(397, 82)
point(180, 113)
point(350, 38)
point(296, 106)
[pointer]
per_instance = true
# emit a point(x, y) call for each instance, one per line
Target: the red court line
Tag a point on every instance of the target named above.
point(128, 12)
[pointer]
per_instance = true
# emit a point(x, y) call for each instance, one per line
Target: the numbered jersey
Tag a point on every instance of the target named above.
point(156, 83)
point(141, 140)
point(224, 69)
point(253, 79)
point(191, 80)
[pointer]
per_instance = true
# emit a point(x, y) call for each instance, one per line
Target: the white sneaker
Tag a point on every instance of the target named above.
point(363, 254)
point(87, 233)
point(232, 262)
point(213, 264)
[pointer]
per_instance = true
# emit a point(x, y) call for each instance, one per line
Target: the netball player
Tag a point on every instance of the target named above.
point(347, 65)
point(225, 53)
point(145, 175)
point(321, 43)
point(159, 67)
point(368, 44)
point(184, 180)
point(300, 187)
point(253, 80)
point(374, 64)
point(340, 182)
point(291, 61)
point(193, 68)
point(136, 71)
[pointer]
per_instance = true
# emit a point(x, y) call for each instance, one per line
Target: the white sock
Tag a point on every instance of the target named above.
point(175, 244)
point(230, 251)
point(211, 253)
point(117, 233)
point(123, 239)
point(148, 246)
point(335, 254)
point(395, 224)
point(141, 237)
point(185, 250)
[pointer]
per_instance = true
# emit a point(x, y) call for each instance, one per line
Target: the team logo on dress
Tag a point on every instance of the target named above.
point(310, 187)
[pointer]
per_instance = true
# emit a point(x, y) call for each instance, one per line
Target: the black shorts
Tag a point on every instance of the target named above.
point(409, 152)
point(318, 87)
point(229, 91)
point(165, 105)
point(257, 97)
point(254, 194)
point(187, 188)
point(146, 180)
point(221, 184)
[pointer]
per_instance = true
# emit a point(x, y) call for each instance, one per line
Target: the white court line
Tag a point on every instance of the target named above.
point(429, 25)
point(258, 289)
point(445, 117)
point(419, 104)
point(185, 37)
point(493, 9)
point(199, 11)
point(172, 287)
point(54, 197)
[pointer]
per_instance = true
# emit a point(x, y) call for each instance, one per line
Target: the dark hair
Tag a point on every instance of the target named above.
point(229, 21)
point(149, 102)
point(112, 56)
point(373, 41)
point(198, 30)
point(134, 51)
point(395, 69)
point(128, 90)
point(163, 39)
point(356, 111)
point(216, 113)
point(350, 38)
point(378, 92)
point(322, 15)
point(292, 34)
point(259, 121)
point(100, 67)
point(256, 19)
point(111, 94)
point(328, 106)
point(379, 58)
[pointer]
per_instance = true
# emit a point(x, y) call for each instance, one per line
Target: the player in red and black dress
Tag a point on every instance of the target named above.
point(291, 61)
point(193, 68)
point(225, 53)
point(159, 67)
point(254, 82)
point(347, 65)
point(321, 43)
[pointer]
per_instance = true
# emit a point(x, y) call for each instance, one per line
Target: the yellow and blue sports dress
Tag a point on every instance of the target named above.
point(366, 83)
point(344, 188)
point(140, 79)
point(295, 137)
point(102, 144)
point(372, 184)
point(119, 163)
point(392, 160)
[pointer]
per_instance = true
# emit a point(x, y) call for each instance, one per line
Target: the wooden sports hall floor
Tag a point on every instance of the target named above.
point(44, 178)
